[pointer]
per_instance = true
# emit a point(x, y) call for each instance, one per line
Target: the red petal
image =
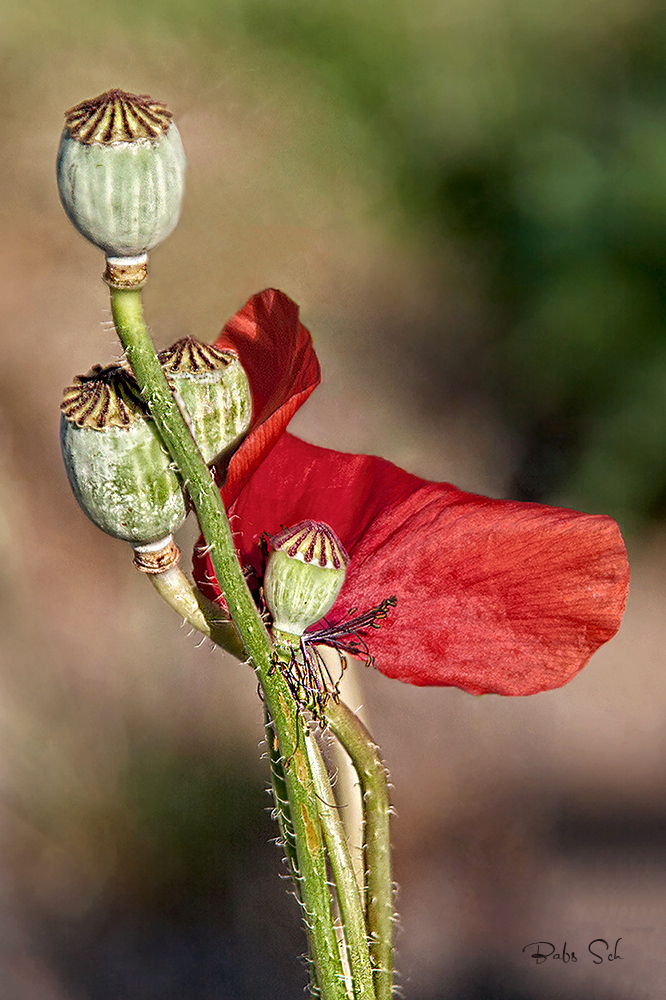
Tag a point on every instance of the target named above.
point(493, 595)
point(299, 481)
point(347, 492)
point(276, 352)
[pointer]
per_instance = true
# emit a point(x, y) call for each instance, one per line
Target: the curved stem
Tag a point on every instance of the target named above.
point(286, 826)
point(288, 723)
point(364, 754)
point(282, 804)
point(349, 896)
point(347, 787)
point(206, 617)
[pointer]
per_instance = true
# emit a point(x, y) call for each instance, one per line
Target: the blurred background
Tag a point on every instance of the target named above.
point(468, 201)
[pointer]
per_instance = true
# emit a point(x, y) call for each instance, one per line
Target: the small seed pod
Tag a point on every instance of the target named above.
point(117, 466)
point(304, 575)
point(215, 393)
point(120, 171)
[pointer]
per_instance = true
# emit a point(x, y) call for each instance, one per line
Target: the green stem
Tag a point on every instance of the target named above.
point(349, 897)
point(285, 823)
point(364, 754)
point(282, 804)
point(174, 587)
point(287, 720)
point(206, 617)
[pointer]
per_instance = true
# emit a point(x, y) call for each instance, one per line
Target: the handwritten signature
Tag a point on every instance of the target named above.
point(546, 950)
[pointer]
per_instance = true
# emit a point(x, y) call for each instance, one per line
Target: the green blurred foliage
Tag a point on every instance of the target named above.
point(196, 820)
point(535, 135)
point(530, 136)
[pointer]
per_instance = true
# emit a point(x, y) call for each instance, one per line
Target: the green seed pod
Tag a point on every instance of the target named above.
point(120, 171)
point(304, 575)
point(215, 393)
point(119, 471)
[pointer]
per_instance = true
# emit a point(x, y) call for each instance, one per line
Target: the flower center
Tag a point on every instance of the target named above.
point(306, 669)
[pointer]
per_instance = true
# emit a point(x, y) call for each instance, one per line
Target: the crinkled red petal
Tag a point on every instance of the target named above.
point(276, 351)
point(494, 596)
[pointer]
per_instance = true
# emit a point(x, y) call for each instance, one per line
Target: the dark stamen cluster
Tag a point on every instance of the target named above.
point(305, 669)
point(309, 678)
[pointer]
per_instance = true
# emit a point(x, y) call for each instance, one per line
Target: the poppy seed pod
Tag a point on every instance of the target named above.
point(117, 466)
point(215, 392)
point(304, 575)
point(120, 172)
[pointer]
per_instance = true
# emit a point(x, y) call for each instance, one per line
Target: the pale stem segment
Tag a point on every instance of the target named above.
point(342, 869)
point(364, 754)
point(173, 587)
point(205, 497)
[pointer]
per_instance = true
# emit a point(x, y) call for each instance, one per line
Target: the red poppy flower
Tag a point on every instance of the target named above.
point(492, 595)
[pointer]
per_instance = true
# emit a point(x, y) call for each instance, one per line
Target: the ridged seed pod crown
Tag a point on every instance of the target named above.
point(117, 466)
point(120, 172)
point(215, 391)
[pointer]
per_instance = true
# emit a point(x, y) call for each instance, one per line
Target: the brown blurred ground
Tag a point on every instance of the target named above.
point(135, 858)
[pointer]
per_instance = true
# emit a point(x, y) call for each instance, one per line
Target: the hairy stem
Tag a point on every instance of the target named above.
point(364, 754)
point(349, 896)
point(206, 617)
point(287, 721)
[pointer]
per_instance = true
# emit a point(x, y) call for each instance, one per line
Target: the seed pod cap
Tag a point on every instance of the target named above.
point(120, 171)
point(117, 466)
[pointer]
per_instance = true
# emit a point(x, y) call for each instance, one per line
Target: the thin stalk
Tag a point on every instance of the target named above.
point(349, 896)
point(282, 804)
point(288, 723)
point(347, 788)
point(364, 754)
point(286, 826)
point(206, 617)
